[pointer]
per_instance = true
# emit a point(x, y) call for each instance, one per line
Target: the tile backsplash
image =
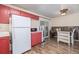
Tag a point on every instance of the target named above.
point(4, 27)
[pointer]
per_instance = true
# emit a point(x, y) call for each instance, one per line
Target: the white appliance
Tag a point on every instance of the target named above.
point(21, 34)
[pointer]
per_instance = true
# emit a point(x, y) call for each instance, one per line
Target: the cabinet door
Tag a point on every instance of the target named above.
point(14, 11)
point(4, 14)
point(39, 37)
point(34, 17)
point(36, 38)
point(24, 14)
point(4, 45)
point(29, 15)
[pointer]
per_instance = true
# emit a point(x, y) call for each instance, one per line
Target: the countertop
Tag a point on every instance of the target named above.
point(36, 32)
point(4, 33)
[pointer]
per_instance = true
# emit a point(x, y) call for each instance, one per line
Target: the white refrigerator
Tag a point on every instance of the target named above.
point(21, 34)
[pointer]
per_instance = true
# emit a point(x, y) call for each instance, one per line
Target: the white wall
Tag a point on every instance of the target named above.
point(35, 24)
point(68, 20)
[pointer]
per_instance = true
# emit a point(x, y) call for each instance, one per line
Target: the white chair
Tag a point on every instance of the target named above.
point(72, 36)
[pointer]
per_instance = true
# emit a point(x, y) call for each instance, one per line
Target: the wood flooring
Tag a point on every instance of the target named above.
point(51, 47)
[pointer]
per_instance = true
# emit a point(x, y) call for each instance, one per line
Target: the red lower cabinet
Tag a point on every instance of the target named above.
point(4, 45)
point(36, 38)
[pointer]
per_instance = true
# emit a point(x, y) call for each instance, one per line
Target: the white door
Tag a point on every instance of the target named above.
point(21, 40)
point(44, 28)
point(20, 21)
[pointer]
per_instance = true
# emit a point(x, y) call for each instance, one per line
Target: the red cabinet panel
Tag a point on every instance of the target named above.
point(29, 15)
point(24, 14)
point(4, 14)
point(36, 38)
point(34, 17)
point(14, 11)
point(4, 45)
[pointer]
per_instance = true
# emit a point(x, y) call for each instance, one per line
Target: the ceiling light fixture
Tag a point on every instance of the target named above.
point(63, 9)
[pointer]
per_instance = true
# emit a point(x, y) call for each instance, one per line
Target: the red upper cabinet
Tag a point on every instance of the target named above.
point(24, 14)
point(29, 15)
point(14, 11)
point(4, 14)
point(34, 17)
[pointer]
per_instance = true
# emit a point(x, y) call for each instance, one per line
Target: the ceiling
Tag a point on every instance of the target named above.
point(49, 10)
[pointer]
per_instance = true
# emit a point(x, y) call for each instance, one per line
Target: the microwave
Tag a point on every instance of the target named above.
point(33, 29)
